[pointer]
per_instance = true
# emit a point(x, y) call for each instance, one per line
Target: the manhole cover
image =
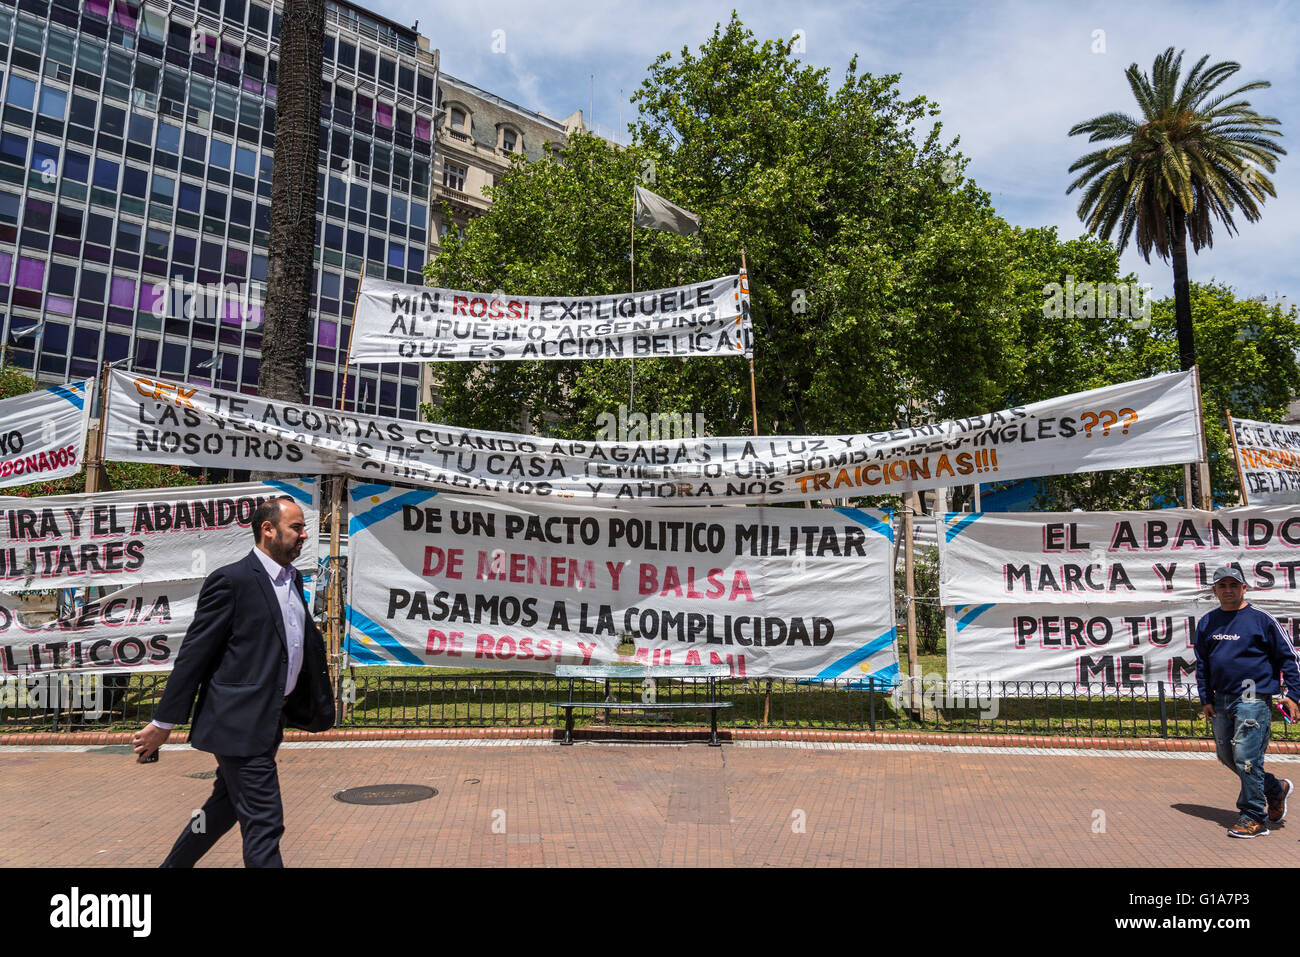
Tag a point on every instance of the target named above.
point(386, 794)
point(202, 775)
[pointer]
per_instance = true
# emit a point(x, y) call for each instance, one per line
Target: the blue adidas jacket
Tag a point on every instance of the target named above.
point(1233, 647)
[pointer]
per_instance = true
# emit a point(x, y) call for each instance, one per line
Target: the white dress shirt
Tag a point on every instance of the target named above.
point(293, 614)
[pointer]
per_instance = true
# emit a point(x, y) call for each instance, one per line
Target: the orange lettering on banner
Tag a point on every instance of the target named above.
point(165, 392)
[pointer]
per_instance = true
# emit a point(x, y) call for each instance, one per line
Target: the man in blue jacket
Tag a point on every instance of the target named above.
point(1240, 651)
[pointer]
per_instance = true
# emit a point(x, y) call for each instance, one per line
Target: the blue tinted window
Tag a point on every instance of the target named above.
point(219, 154)
point(105, 173)
point(54, 103)
point(141, 129)
point(169, 138)
point(417, 215)
point(76, 166)
point(245, 161)
point(21, 92)
point(13, 148)
point(45, 159)
point(190, 197)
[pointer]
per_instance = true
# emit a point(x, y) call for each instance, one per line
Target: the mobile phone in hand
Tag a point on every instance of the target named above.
point(1285, 717)
point(148, 758)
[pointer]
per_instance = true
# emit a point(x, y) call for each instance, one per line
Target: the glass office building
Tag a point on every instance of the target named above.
point(135, 183)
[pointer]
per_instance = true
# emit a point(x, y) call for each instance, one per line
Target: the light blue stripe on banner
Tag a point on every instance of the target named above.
point(76, 395)
point(359, 492)
point(965, 523)
point(361, 653)
point(838, 668)
point(377, 634)
point(291, 490)
point(975, 612)
point(385, 509)
point(885, 528)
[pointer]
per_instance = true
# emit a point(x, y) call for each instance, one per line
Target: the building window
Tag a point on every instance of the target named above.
point(509, 139)
point(453, 177)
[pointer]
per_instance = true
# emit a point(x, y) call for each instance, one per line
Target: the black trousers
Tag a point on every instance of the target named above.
point(246, 790)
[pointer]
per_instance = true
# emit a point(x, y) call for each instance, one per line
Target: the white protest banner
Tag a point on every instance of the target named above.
point(1102, 598)
point(1150, 422)
point(1268, 455)
point(138, 628)
point(470, 583)
point(43, 433)
point(116, 538)
point(1115, 557)
point(1128, 645)
point(398, 323)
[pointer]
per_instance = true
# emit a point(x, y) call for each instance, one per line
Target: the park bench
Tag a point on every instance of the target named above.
point(654, 672)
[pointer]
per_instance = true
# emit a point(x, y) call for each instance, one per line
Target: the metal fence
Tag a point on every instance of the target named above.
point(429, 699)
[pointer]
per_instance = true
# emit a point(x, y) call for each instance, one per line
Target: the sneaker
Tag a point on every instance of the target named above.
point(1247, 827)
point(1277, 805)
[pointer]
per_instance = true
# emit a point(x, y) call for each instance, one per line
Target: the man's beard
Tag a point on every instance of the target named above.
point(285, 552)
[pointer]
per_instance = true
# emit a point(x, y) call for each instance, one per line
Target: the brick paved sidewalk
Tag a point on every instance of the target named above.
point(747, 804)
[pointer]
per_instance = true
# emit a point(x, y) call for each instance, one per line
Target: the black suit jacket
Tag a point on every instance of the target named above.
point(235, 658)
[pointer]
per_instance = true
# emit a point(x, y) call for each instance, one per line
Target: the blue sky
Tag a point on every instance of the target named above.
point(1010, 77)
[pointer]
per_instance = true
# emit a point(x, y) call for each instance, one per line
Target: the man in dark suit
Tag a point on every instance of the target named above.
point(257, 662)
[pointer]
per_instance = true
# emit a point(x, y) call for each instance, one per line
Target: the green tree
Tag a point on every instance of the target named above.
point(1192, 157)
point(1247, 364)
point(872, 260)
point(121, 475)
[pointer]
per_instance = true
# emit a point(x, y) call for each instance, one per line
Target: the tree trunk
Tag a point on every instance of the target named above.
point(1186, 337)
point(288, 331)
point(1182, 295)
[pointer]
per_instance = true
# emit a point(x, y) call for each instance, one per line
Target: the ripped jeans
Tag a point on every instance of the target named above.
point(1241, 733)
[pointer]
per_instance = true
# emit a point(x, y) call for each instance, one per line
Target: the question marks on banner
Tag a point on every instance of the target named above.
point(1107, 419)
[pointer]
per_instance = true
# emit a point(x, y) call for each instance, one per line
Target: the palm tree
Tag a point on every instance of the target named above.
point(288, 331)
point(1193, 157)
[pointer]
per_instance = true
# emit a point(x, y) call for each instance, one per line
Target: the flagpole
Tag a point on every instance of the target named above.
point(631, 392)
point(352, 334)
